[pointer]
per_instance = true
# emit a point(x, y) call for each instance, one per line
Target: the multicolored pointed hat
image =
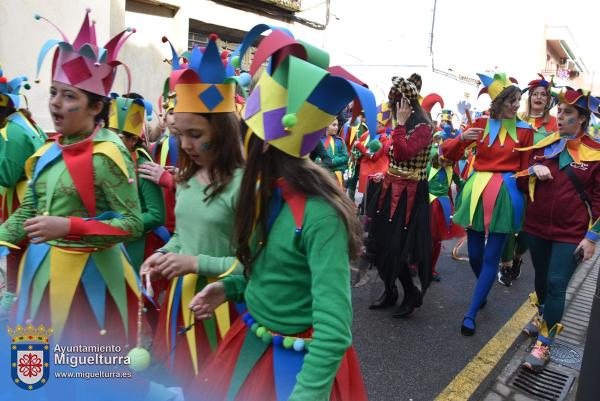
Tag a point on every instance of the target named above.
point(298, 95)
point(431, 100)
point(446, 115)
point(128, 115)
point(384, 114)
point(205, 81)
point(580, 98)
point(10, 90)
point(83, 64)
point(538, 82)
point(493, 86)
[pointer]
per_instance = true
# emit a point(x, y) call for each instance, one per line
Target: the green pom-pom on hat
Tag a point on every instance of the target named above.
point(235, 61)
point(374, 145)
point(289, 120)
point(261, 331)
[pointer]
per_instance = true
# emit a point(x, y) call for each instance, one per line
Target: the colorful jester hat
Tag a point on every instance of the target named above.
point(431, 100)
point(298, 95)
point(580, 98)
point(10, 90)
point(537, 83)
point(128, 115)
point(83, 64)
point(493, 86)
point(204, 81)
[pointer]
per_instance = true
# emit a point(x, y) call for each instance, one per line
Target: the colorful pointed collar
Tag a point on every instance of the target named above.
point(568, 148)
point(501, 128)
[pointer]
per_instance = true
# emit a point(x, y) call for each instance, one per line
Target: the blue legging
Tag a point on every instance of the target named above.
point(484, 257)
point(554, 265)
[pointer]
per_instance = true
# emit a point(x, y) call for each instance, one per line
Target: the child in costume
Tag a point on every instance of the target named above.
point(20, 137)
point(209, 177)
point(80, 204)
point(537, 114)
point(126, 118)
point(296, 232)
point(490, 206)
point(564, 176)
point(400, 205)
point(440, 175)
point(336, 150)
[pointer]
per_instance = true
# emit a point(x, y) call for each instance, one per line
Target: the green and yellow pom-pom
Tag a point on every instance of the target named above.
point(139, 359)
point(289, 120)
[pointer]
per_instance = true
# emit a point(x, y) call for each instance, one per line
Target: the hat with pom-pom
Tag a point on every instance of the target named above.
point(128, 115)
point(83, 64)
point(493, 86)
point(298, 94)
point(10, 95)
point(580, 98)
point(204, 80)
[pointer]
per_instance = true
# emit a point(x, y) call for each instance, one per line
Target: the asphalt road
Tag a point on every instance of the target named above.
point(415, 358)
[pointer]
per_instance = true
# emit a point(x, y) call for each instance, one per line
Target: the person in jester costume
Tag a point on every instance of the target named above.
point(20, 137)
point(537, 114)
point(440, 175)
point(80, 204)
point(490, 206)
point(208, 182)
point(336, 151)
point(165, 155)
point(126, 118)
point(563, 230)
point(296, 233)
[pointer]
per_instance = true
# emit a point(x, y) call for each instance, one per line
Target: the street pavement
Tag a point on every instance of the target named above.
point(415, 358)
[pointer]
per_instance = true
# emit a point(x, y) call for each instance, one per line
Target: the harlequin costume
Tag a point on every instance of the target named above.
point(400, 209)
point(20, 137)
point(556, 227)
point(544, 125)
point(204, 228)
point(337, 152)
point(128, 116)
point(490, 206)
point(166, 153)
point(294, 342)
point(89, 179)
point(440, 179)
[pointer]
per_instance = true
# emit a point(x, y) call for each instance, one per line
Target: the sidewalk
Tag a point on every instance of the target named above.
point(559, 380)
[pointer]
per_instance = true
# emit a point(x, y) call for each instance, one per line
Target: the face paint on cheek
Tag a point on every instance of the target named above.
point(571, 121)
point(206, 146)
point(73, 110)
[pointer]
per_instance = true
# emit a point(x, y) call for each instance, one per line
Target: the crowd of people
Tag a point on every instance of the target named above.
point(218, 245)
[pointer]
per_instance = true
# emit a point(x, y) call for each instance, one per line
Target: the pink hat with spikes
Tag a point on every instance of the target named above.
point(83, 64)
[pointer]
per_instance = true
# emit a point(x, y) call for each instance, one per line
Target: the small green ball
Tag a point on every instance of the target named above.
point(288, 342)
point(289, 120)
point(261, 331)
point(254, 327)
point(235, 61)
point(267, 338)
point(374, 145)
point(139, 359)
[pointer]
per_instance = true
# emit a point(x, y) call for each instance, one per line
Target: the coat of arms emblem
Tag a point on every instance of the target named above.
point(30, 356)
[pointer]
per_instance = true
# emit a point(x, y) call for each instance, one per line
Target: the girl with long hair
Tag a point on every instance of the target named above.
point(400, 208)
point(296, 232)
point(201, 249)
point(489, 205)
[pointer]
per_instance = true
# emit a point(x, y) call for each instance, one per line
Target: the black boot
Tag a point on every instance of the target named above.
point(515, 270)
point(387, 299)
point(412, 300)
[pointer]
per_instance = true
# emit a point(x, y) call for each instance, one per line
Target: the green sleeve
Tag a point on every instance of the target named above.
point(153, 204)
point(174, 245)
point(340, 160)
point(12, 230)
point(235, 285)
point(326, 245)
point(212, 266)
point(121, 197)
point(13, 155)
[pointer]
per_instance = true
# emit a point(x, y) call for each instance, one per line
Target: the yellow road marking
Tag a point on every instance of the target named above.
point(470, 378)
